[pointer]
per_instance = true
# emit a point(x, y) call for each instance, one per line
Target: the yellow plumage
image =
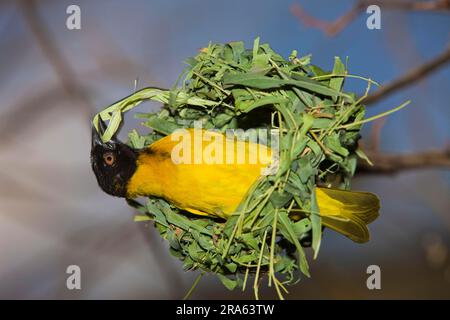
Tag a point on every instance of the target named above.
point(216, 189)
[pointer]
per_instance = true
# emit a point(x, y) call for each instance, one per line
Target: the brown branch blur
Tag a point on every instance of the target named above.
point(329, 28)
point(109, 61)
point(375, 134)
point(395, 163)
point(332, 28)
point(416, 74)
point(410, 77)
point(56, 59)
point(39, 103)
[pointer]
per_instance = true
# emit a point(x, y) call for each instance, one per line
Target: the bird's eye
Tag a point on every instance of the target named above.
point(109, 158)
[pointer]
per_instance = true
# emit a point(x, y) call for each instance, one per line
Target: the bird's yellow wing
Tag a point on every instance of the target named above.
point(206, 181)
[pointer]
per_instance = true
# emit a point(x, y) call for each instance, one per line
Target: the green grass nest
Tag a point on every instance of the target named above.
point(226, 87)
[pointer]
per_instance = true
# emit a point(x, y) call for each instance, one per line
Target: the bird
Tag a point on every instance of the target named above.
point(212, 188)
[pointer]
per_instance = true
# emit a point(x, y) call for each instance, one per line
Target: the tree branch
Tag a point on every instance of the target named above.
point(394, 163)
point(334, 27)
point(410, 77)
point(329, 28)
point(56, 59)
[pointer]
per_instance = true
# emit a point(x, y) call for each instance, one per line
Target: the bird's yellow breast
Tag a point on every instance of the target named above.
point(210, 178)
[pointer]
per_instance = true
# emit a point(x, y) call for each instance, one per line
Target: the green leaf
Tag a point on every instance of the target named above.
point(338, 69)
point(188, 263)
point(250, 240)
point(195, 252)
point(263, 82)
point(270, 100)
point(222, 119)
point(317, 71)
point(333, 142)
point(302, 227)
point(306, 170)
point(322, 123)
point(279, 200)
point(137, 141)
point(316, 222)
point(285, 225)
point(204, 241)
point(113, 125)
point(232, 267)
point(140, 218)
point(247, 258)
point(154, 210)
point(161, 125)
point(172, 239)
point(230, 224)
point(237, 49)
point(363, 156)
point(183, 222)
point(230, 284)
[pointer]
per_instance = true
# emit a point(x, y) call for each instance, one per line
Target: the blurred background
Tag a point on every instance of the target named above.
point(53, 80)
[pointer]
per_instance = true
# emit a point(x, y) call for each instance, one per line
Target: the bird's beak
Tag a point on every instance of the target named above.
point(97, 135)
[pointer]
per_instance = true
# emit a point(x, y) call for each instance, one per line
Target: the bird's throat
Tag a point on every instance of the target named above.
point(151, 175)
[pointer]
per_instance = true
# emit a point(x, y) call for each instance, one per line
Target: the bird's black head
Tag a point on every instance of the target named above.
point(113, 163)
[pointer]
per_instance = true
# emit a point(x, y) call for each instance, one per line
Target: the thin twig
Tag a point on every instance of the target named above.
point(194, 285)
point(258, 268)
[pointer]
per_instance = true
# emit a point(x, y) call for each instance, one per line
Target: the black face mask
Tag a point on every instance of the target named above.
point(113, 162)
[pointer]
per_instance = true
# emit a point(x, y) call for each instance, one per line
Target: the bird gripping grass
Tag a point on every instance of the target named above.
point(226, 86)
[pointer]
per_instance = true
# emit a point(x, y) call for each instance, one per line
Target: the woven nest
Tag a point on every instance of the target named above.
point(227, 87)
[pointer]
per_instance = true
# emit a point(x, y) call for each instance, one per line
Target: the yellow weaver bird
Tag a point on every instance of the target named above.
point(213, 189)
